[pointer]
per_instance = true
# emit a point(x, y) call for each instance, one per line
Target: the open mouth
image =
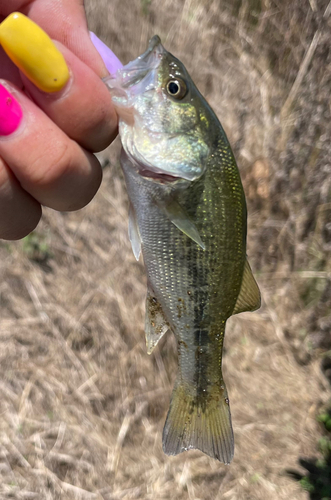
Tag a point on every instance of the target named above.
point(135, 76)
point(136, 70)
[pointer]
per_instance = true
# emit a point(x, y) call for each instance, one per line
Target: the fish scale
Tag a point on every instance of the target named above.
point(188, 217)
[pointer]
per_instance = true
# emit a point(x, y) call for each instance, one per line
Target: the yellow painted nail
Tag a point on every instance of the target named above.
point(33, 52)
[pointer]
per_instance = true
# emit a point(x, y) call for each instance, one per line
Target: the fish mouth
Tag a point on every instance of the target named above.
point(137, 76)
point(136, 70)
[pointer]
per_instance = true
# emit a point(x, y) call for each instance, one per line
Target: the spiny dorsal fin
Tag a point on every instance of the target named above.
point(156, 324)
point(134, 233)
point(180, 219)
point(249, 297)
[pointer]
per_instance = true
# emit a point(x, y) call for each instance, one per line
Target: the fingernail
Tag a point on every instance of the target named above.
point(33, 52)
point(10, 112)
point(112, 63)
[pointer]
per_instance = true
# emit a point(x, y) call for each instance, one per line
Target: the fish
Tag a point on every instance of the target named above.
point(188, 218)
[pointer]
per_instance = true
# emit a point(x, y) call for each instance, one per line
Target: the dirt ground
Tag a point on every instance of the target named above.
point(82, 404)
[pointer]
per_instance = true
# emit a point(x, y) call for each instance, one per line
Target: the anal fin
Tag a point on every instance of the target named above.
point(156, 324)
point(249, 298)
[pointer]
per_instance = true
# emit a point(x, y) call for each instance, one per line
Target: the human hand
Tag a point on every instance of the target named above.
point(49, 129)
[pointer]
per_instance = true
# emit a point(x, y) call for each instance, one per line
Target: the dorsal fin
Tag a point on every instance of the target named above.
point(181, 220)
point(249, 298)
point(156, 324)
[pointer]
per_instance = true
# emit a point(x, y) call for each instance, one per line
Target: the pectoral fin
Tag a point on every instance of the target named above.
point(156, 324)
point(180, 219)
point(249, 298)
point(134, 233)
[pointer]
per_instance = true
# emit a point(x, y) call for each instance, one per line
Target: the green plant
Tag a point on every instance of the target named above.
point(317, 480)
point(36, 247)
point(145, 6)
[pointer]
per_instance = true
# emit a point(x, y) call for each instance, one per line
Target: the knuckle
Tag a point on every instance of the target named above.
point(49, 167)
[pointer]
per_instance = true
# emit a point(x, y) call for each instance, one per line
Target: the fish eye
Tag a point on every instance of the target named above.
point(176, 88)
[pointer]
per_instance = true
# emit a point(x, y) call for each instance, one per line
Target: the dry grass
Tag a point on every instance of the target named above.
point(82, 405)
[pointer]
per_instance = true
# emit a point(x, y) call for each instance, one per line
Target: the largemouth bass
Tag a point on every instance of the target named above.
point(188, 218)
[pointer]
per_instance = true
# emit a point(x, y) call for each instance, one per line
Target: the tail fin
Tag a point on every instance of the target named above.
point(197, 422)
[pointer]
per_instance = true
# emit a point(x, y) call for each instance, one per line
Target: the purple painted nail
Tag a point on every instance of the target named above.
point(112, 63)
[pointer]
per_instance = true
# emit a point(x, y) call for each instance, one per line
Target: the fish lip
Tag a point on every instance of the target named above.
point(128, 80)
point(138, 69)
point(154, 46)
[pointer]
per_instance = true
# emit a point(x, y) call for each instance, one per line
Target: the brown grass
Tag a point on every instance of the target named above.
point(82, 405)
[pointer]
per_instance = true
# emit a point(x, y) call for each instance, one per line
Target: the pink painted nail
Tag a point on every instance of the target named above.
point(10, 112)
